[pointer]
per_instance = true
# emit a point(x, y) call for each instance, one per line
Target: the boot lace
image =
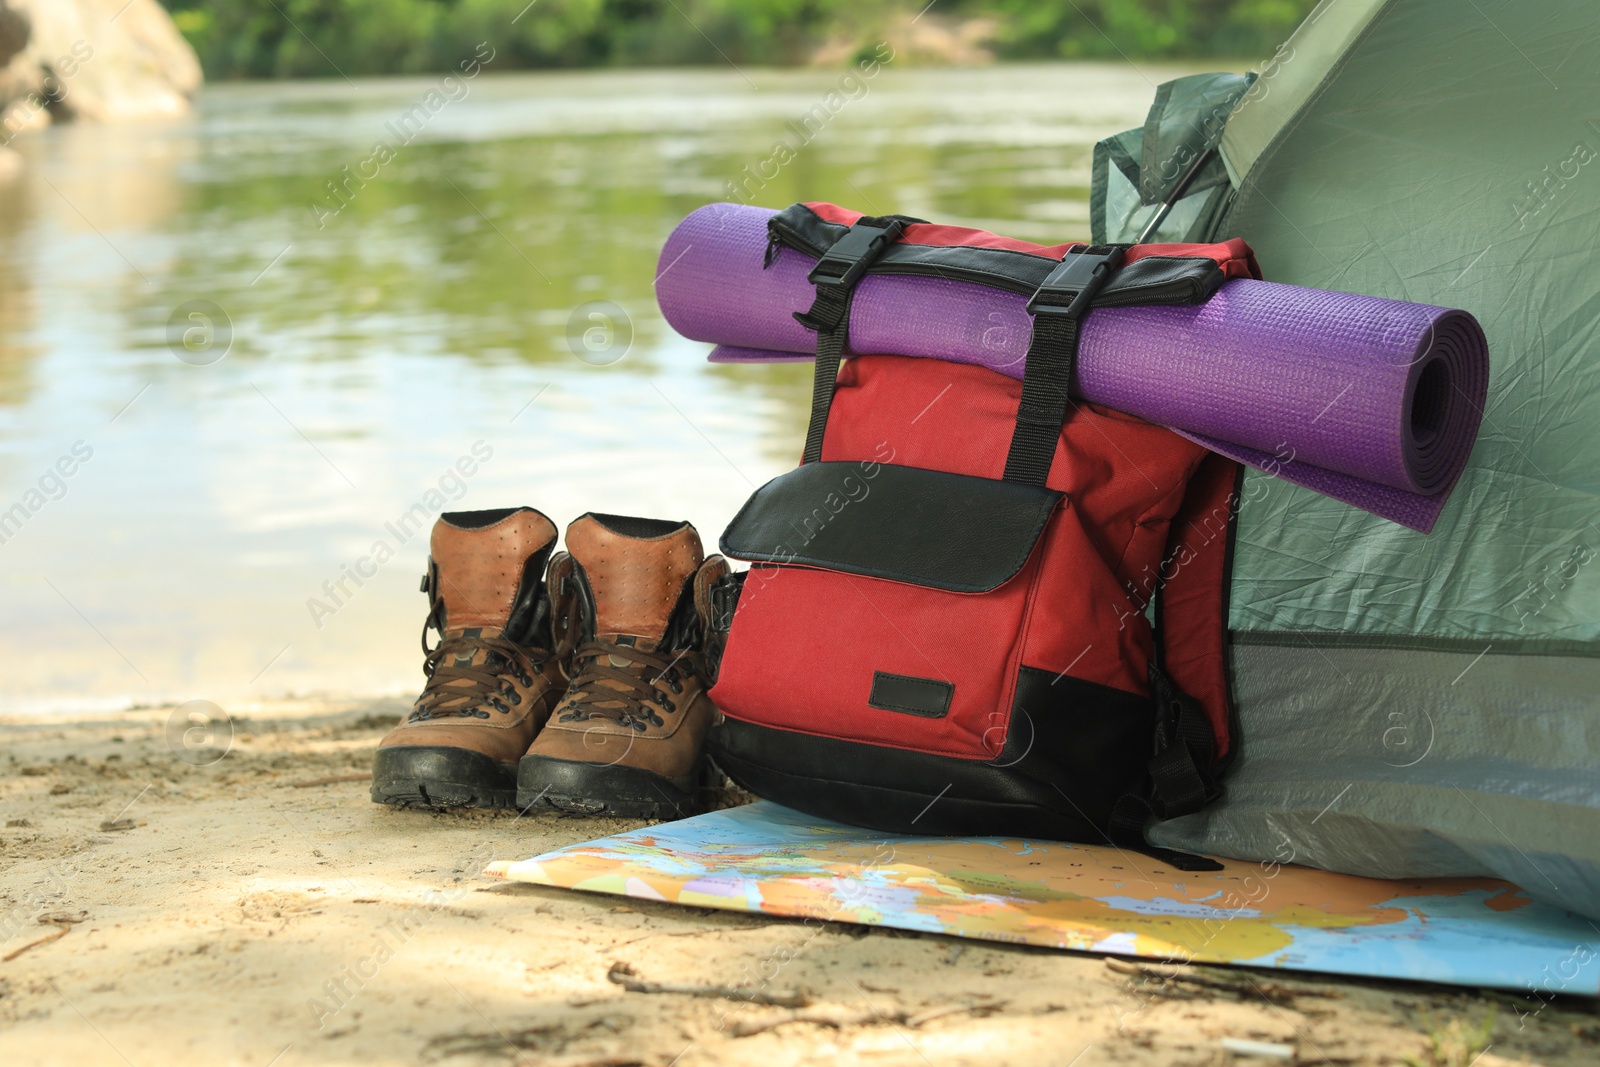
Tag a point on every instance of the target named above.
point(467, 688)
point(629, 697)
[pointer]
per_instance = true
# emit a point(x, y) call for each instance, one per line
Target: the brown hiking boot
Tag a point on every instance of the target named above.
point(627, 738)
point(491, 679)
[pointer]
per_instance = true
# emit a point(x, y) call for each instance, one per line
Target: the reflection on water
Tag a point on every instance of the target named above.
point(170, 519)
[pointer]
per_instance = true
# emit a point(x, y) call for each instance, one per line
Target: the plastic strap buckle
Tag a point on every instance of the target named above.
point(847, 260)
point(1076, 281)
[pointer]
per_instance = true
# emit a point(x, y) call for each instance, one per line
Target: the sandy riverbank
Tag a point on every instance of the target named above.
point(231, 914)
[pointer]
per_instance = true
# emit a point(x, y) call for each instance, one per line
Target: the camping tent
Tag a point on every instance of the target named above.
point(1415, 705)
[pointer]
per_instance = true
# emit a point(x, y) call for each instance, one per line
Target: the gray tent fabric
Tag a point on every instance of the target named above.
point(1402, 779)
point(1445, 154)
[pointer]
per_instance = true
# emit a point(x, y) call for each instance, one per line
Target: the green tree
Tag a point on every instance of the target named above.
point(325, 38)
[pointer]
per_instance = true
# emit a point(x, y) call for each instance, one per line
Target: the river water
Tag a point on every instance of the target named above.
point(222, 384)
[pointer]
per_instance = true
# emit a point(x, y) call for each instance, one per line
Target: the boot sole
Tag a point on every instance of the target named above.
point(416, 776)
point(606, 789)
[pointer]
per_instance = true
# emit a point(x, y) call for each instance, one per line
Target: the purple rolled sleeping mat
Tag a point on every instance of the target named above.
point(1369, 401)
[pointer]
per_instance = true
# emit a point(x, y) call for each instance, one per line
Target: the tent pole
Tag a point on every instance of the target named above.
point(1165, 207)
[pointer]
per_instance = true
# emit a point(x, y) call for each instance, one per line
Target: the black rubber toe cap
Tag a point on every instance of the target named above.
point(440, 777)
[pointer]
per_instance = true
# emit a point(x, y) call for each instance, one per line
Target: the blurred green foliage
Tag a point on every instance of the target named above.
point(310, 38)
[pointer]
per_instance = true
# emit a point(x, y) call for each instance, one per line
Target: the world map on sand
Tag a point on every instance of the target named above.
point(767, 859)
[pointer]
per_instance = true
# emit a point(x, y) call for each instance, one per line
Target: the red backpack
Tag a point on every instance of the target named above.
point(980, 606)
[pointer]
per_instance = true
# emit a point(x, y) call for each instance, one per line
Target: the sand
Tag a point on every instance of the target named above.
point(223, 911)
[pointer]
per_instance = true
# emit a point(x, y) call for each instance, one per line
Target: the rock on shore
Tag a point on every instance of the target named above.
point(91, 60)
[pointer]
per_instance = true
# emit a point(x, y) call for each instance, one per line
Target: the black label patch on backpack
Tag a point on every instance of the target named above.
point(913, 696)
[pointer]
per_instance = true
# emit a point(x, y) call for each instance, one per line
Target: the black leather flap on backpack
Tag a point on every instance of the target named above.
point(929, 528)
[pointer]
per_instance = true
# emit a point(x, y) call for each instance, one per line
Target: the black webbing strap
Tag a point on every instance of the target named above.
point(831, 304)
point(835, 277)
point(1180, 780)
point(1127, 831)
point(1058, 309)
point(1181, 785)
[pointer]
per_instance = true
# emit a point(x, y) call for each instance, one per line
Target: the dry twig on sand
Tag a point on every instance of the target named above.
point(838, 1016)
point(63, 924)
point(1242, 984)
point(624, 975)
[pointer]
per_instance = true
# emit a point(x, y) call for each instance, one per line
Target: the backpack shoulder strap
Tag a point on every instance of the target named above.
point(1192, 600)
point(1198, 728)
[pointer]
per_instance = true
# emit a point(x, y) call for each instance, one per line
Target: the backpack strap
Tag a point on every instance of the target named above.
point(1192, 600)
point(1197, 726)
point(835, 276)
point(1058, 308)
